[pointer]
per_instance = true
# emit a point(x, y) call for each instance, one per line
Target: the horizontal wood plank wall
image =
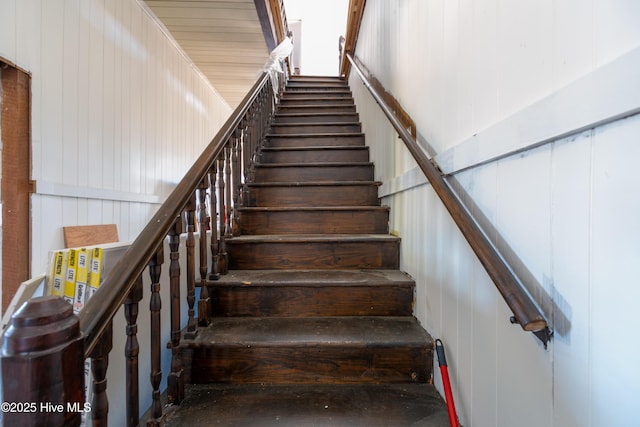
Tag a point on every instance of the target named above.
point(116, 107)
point(563, 214)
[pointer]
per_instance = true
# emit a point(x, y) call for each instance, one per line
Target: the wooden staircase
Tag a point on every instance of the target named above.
point(313, 324)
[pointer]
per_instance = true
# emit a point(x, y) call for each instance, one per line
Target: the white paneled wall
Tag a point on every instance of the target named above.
point(118, 113)
point(563, 213)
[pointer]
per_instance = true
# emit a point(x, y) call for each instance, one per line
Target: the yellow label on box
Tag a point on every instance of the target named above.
point(70, 277)
point(82, 277)
point(95, 272)
point(58, 273)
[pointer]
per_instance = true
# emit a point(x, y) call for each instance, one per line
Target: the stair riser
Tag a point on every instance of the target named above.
point(315, 255)
point(316, 88)
point(307, 94)
point(310, 365)
point(314, 141)
point(310, 301)
point(354, 155)
point(319, 173)
point(343, 195)
point(315, 128)
point(316, 118)
point(298, 78)
point(314, 222)
point(317, 83)
point(313, 101)
point(311, 109)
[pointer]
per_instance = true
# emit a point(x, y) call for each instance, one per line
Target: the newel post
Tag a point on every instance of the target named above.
point(43, 365)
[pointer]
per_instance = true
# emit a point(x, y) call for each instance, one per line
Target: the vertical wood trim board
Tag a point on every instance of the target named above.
point(16, 167)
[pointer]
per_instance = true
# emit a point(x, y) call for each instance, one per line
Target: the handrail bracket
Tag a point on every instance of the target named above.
point(544, 335)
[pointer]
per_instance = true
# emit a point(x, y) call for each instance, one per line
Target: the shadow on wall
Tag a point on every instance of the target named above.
point(555, 308)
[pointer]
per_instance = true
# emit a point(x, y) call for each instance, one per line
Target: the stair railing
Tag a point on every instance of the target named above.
point(45, 346)
point(526, 311)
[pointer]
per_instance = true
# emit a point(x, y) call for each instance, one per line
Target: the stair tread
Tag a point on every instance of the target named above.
point(318, 95)
point(310, 106)
point(315, 95)
point(317, 148)
point(312, 183)
point(315, 85)
point(355, 122)
point(300, 97)
point(310, 405)
point(312, 238)
point(305, 114)
point(315, 90)
point(312, 164)
point(311, 208)
point(314, 135)
point(350, 331)
point(317, 278)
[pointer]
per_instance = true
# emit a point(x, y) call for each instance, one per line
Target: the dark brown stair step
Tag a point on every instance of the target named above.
point(287, 172)
point(313, 78)
point(320, 405)
point(343, 193)
point(316, 94)
point(317, 81)
point(298, 99)
point(320, 140)
point(314, 220)
point(313, 251)
point(318, 108)
point(316, 350)
point(314, 128)
point(314, 154)
point(312, 293)
point(316, 117)
point(316, 88)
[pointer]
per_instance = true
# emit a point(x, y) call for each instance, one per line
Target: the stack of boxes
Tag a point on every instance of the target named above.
point(75, 275)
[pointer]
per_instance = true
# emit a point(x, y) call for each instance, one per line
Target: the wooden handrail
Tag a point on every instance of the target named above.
point(354, 20)
point(526, 311)
point(97, 313)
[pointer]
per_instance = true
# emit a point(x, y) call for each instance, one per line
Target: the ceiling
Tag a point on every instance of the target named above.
point(224, 38)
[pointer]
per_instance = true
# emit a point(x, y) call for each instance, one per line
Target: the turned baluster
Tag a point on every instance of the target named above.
point(99, 365)
point(155, 304)
point(254, 138)
point(203, 302)
point(265, 111)
point(237, 177)
point(229, 192)
point(272, 100)
point(249, 143)
point(223, 202)
point(260, 119)
point(131, 351)
point(246, 148)
point(253, 142)
point(175, 381)
point(191, 267)
point(215, 260)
